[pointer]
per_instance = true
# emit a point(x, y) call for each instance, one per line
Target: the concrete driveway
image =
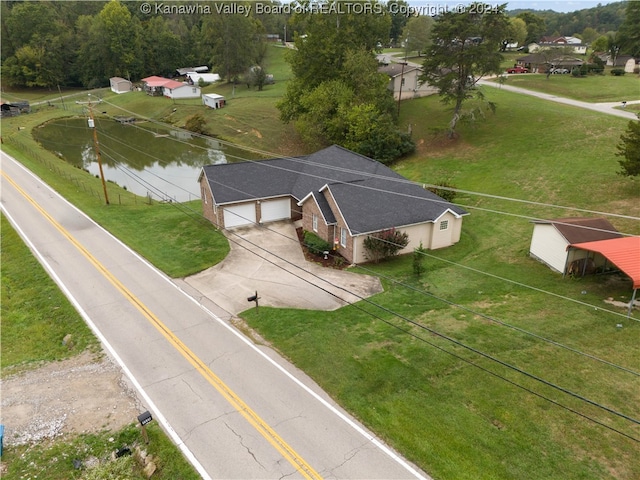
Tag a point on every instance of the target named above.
point(269, 260)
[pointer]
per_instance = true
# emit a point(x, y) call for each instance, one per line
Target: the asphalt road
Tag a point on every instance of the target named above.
point(236, 410)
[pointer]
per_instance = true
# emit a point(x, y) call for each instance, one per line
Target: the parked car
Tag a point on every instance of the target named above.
point(560, 71)
point(517, 69)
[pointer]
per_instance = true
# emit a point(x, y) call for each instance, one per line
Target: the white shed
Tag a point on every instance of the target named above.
point(213, 100)
point(551, 238)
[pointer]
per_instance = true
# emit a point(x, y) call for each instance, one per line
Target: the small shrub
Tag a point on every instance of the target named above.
point(418, 261)
point(384, 244)
point(444, 193)
point(315, 244)
point(618, 72)
point(196, 123)
point(595, 68)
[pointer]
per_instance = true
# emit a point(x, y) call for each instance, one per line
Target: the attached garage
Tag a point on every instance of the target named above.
point(272, 210)
point(238, 215)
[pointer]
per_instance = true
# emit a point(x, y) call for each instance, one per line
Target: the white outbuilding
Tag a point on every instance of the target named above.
point(195, 77)
point(551, 239)
point(213, 100)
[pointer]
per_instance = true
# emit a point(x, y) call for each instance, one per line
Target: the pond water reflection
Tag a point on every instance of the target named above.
point(144, 158)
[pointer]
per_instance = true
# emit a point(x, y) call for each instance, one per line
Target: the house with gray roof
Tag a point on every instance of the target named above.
point(340, 195)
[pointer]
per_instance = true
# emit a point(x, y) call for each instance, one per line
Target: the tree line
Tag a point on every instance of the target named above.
point(84, 43)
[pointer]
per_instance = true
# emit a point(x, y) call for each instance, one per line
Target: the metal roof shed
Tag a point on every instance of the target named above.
point(624, 253)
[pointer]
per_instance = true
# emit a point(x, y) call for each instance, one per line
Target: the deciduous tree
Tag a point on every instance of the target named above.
point(236, 42)
point(417, 34)
point(630, 30)
point(465, 47)
point(535, 26)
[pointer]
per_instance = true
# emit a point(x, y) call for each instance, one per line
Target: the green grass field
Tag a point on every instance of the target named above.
point(453, 419)
point(592, 88)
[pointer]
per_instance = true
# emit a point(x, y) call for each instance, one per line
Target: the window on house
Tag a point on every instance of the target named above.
point(343, 237)
point(402, 82)
point(203, 194)
point(444, 224)
point(314, 221)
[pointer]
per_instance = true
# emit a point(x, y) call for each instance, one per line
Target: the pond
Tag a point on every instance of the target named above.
point(145, 158)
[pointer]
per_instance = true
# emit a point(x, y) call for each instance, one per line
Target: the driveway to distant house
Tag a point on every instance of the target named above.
point(268, 259)
point(605, 107)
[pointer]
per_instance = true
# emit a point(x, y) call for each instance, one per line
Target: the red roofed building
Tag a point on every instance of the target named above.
point(157, 86)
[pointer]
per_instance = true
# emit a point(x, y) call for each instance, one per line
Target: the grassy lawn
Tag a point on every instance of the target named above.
point(451, 418)
point(35, 317)
point(54, 460)
point(592, 88)
point(35, 314)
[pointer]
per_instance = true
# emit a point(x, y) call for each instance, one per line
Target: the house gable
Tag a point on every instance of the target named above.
point(346, 189)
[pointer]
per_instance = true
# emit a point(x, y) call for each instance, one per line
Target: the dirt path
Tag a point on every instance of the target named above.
point(83, 394)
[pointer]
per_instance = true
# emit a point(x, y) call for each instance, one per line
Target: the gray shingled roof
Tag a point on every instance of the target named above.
point(370, 196)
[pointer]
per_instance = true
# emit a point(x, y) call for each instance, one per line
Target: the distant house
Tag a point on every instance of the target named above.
point(160, 86)
point(534, 62)
point(177, 90)
point(184, 70)
point(154, 85)
point(340, 195)
point(213, 100)
point(405, 82)
point(120, 85)
point(572, 43)
point(195, 77)
point(541, 62)
point(551, 239)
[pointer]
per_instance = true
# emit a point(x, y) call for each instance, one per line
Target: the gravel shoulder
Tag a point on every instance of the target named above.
point(84, 394)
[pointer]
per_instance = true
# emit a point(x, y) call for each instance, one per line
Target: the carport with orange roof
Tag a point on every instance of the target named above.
point(623, 252)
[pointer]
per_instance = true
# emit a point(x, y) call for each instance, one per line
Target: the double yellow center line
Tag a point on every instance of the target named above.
point(252, 417)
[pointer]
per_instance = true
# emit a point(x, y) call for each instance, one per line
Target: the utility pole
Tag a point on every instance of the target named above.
point(401, 85)
point(96, 145)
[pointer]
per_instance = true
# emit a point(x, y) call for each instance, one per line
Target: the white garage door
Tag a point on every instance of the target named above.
point(275, 209)
point(238, 215)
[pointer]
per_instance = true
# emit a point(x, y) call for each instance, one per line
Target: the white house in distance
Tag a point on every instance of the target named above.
point(573, 43)
point(404, 80)
point(173, 89)
point(156, 86)
point(213, 100)
point(551, 239)
point(195, 77)
point(120, 85)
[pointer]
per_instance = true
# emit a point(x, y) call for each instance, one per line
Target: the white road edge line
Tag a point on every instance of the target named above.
point(238, 334)
point(159, 417)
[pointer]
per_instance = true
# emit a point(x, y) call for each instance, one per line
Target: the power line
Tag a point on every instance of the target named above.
point(490, 357)
point(267, 154)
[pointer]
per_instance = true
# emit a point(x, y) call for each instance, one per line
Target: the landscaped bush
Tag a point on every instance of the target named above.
point(618, 72)
point(384, 244)
point(315, 244)
point(445, 193)
point(595, 68)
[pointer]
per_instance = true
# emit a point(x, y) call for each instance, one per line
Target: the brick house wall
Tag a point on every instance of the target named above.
point(208, 208)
